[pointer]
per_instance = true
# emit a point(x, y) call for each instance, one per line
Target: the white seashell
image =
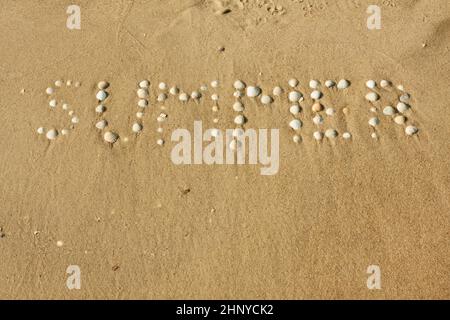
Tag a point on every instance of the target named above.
point(65, 106)
point(142, 103)
point(371, 84)
point(374, 122)
point(318, 135)
point(101, 95)
point(373, 109)
point(110, 137)
point(266, 99)
point(295, 124)
point(183, 97)
point(277, 91)
point(294, 96)
point(215, 120)
point(160, 142)
point(162, 86)
point(69, 83)
point(174, 91)
point(161, 97)
point(388, 111)
point(137, 127)
point(77, 84)
point(293, 82)
point(195, 95)
point(51, 134)
point(215, 83)
point(253, 92)
point(102, 85)
point(144, 84)
point(52, 103)
point(203, 87)
point(330, 83)
point(58, 83)
point(238, 94)
point(162, 117)
point(372, 96)
point(296, 138)
point(402, 107)
point(314, 84)
point(238, 106)
point(139, 115)
point(316, 95)
point(385, 83)
point(100, 108)
point(239, 85)
point(331, 133)
point(401, 87)
point(142, 93)
point(215, 108)
point(330, 112)
point(295, 109)
point(405, 97)
point(102, 124)
point(343, 84)
point(215, 97)
point(374, 135)
point(239, 120)
point(50, 91)
point(400, 119)
point(75, 120)
point(317, 107)
point(71, 113)
point(40, 130)
point(317, 120)
point(64, 132)
point(346, 135)
point(411, 130)
point(160, 130)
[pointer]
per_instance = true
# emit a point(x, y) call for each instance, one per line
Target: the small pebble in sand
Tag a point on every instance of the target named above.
point(411, 130)
point(52, 103)
point(162, 86)
point(215, 83)
point(331, 133)
point(102, 85)
point(405, 97)
point(317, 107)
point(100, 108)
point(343, 84)
point(346, 135)
point(294, 96)
point(265, 99)
point(183, 97)
point(293, 82)
point(371, 84)
point(64, 132)
point(174, 91)
point(238, 106)
point(51, 134)
point(139, 115)
point(144, 84)
point(40, 130)
point(238, 94)
point(142, 93)
point(402, 107)
point(400, 119)
point(102, 124)
point(277, 91)
point(330, 112)
point(253, 92)
point(317, 120)
point(161, 97)
point(385, 84)
point(296, 138)
point(59, 243)
point(295, 124)
point(101, 95)
point(75, 120)
point(294, 109)
point(50, 91)
point(137, 127)
point(316, 95)
point(372, 96)
point(215, 97)
point(142, 103)
point(388, 111)
point(330, 83)
point(239, 120)
point(110, 137)
point(374, 135)
point(160, 142)
point(374, 122)
point(314, 84)
point(239, 85)
point(318, 135)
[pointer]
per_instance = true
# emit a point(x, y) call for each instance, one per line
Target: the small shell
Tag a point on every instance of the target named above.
point(161, 97)
point(40, 130)
point(64, 132)
point(69, 83)
point(374, 122)
point(317, 120)
point(277, 91)
point(238, 106)
point(330, 112)
point(330, 83)
point(239, 120)
point(316, 95)
point(102, 124)
point(137, 127)
point(294, 109)
point(101, 95)
point(405, 98)
point(142, 93)
point(174, 91)
point(314, 84)
point(195, 95)
point(388, 111)
point(160, 142)
point(400, 119)
point(238, 94)
point(51, 134)
point(293, 82)
point(183, 97)
point(110, 137)
point(372, 96)
point(215, 83)
point(346, 135)
point(402, 107)
point(53, 103)
point(142, 103)
point(385, 83)
point(371, 84)
point(331, 133)
point(253, 92)
point(50, 91)
point(374, 135)
point(203, 87)
point(295, 124)
point(318, 135)
point(139, 115)
point(296, 138)
point(215, 97)
point(65, 106)
point(162, 86)
point(58, 83)
point(265, 99)
point(102, 85)
point(75, 120)
point(411, 130)
point(317, 107)
point(343, 84)
point(239, 85)
point(295, 96)
point(144, 84)
point(100, 108)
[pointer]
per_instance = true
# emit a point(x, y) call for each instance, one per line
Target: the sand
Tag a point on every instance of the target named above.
point(139, 226)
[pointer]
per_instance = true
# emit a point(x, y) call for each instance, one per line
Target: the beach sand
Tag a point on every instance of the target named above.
point(139, 226)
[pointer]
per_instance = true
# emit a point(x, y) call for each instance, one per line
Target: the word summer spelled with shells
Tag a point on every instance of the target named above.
point(302, 103)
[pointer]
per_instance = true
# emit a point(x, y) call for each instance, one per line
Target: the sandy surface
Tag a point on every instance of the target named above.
point(124, 214)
